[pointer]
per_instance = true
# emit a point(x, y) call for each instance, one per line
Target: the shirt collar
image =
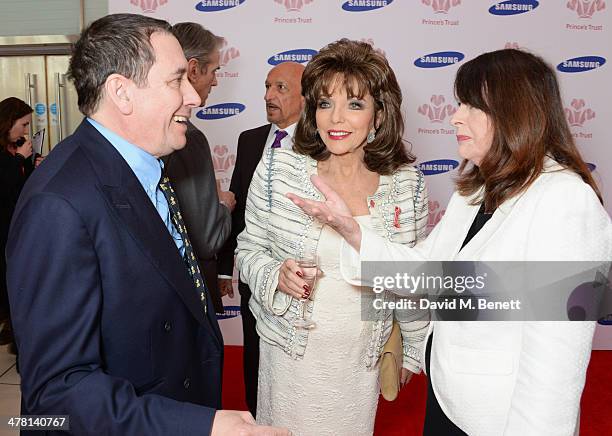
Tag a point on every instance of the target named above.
point(289, 129)
point(146, 167)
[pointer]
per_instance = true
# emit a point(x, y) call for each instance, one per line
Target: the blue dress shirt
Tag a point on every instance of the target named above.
point(148, 171)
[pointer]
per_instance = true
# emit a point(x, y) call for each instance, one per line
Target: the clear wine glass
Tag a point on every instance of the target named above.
point(309, 264)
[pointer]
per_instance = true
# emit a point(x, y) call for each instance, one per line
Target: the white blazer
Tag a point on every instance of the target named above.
point(510, 378)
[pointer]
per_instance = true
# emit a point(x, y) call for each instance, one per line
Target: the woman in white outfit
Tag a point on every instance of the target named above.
point(524, 194)
point(324, 381)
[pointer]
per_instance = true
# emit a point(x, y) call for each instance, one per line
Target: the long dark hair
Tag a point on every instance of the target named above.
point(363, 70)
point(520, 94)
point(11, 109)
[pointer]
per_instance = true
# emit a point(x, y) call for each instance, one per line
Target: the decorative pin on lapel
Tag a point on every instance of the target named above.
point(396, 222)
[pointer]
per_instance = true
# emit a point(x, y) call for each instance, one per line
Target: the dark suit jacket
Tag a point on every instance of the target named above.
point(251, 144)
point(108, 325)
point(208, 222)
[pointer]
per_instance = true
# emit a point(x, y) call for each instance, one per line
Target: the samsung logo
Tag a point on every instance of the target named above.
point(441, 59)
point(578, 65)
point(365, 5)
point(222, 110)
point(513, 7)
point(440, 166)
point(229, 312)
point(300, 55)
point(40, 109)
point(217, 5)
point(591, 166)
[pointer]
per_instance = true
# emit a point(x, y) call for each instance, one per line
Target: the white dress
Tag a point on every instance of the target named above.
point(330, 391)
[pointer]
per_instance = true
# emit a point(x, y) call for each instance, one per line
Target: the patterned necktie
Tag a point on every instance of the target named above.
point(280, 134)
point(179, 224)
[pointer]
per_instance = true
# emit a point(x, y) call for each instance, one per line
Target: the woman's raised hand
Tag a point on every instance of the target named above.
point(333, 212)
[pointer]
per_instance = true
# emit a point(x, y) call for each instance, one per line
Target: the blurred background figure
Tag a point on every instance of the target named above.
point(206, 209)
point(15, 167)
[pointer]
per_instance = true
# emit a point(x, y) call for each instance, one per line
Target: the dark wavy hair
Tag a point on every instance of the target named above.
point(362, 70)
point(520, 94)
point(116, 43)
point(11, 109)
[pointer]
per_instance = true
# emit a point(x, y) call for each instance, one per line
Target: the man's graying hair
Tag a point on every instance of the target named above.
point(114, 44)
point(197, 42)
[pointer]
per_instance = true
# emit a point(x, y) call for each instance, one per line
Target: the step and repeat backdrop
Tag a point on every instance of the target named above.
point(425, 42)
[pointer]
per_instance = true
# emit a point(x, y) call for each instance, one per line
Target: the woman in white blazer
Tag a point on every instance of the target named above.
point(523, 194)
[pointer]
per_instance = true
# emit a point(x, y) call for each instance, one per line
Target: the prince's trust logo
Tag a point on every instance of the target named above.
point(293, 5)
point(436, 110)
point(223, 162)
point(586, 14)
point(441, 6)
point(577, 116)
point(226, 56)
point(586, 8)
point(435, 214)
point(148, 6)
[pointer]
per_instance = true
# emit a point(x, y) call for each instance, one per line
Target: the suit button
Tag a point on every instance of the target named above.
point(187, 383)
point(167, 326)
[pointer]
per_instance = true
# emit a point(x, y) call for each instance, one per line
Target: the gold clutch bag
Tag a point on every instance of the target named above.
point(391, 365)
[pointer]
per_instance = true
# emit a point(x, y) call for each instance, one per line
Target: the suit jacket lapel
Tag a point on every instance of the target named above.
point(481, 239)
point(127, 199)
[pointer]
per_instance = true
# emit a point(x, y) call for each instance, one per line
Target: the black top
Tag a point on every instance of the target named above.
point(479, 221)
point(14, 171)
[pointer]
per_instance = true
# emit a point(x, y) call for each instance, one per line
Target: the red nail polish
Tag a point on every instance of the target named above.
point(299, 274)
point(306, 288)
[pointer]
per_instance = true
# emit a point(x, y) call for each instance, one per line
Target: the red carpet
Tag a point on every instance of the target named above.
point(404, 416)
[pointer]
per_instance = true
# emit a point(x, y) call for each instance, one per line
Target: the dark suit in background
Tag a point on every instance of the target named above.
point(208, 222)
point(251, 144)
point(107, 320)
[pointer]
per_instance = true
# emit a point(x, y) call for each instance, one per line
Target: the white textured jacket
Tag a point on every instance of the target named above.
point(511, 378)
point(276, 230)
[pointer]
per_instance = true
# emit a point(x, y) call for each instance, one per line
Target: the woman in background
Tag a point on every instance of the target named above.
point(524, 194)
point(15, 167)
point(324, 381)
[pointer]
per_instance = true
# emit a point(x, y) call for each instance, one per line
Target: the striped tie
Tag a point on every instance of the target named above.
point(189, 257)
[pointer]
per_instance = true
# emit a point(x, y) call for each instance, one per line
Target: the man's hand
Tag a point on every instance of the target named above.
point(333, 211)
point(228, 199)
point(234, 422)
point(226, 287)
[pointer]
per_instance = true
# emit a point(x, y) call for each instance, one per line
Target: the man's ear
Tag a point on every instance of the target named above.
point(118, 93)
point(193, 70)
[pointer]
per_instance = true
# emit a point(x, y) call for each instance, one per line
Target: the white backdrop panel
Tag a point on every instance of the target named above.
point(405, 30)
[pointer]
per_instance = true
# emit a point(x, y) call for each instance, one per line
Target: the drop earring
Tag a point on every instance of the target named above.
point(371, 136)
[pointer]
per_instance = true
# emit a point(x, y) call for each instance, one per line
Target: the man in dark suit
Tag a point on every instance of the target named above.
point(111, 317)
point(191, 170)
point(283, 108)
